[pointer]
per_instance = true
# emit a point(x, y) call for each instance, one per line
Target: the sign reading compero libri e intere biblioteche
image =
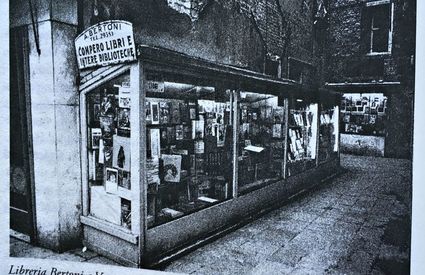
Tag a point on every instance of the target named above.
point(108, 42)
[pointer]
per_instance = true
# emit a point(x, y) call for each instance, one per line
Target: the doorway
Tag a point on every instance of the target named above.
point(21, 188)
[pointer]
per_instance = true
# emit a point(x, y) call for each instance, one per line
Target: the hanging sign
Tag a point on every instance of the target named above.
point(108, 42)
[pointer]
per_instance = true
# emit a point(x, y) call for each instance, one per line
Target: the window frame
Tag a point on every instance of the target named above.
point(371, 30)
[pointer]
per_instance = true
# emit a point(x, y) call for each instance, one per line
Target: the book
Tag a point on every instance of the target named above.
point(126, 213)
point(164, 112)
point(171, 213)
point(175, 112)
point(155, 142)
point(96, 135)
point(207, 199)
point(111, 183)
point(171, 167)
point(179, 132)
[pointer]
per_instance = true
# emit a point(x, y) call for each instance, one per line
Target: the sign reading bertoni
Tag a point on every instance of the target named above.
point(108, 42)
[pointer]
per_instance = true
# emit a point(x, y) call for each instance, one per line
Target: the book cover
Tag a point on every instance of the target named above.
point(155, 142)
point(171, 167)
point(111, 183)
point(164, 114)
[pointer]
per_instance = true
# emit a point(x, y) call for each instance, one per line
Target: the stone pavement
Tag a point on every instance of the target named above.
point(358, 223)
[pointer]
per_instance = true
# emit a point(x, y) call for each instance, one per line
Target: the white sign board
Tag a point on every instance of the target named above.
point(108, 42)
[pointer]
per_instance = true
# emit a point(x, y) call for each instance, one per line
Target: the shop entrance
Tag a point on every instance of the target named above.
point(21, 202)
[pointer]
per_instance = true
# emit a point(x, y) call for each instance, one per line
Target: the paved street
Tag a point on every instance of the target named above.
point(357, 224)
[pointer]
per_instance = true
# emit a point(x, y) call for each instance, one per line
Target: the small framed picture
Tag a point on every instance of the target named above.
point(111, 184)
point(96, 135)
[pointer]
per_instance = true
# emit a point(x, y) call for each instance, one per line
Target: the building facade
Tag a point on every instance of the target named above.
point(370, 58)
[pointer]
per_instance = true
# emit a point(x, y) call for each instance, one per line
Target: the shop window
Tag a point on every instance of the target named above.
point(108, 152)
point(328, 133)
point(302, 136)
point(188, 146)
point(261, 139)
point(363, 114)
point(377, 26)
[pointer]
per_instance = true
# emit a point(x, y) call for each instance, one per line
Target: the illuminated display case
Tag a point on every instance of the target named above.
point(176, 149)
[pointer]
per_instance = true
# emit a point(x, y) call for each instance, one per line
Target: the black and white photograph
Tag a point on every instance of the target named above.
point(267, 137)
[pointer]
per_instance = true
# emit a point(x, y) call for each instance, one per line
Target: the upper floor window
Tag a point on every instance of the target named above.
point(378, 26)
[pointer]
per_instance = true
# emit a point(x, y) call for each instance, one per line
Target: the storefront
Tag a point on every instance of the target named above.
point(176, 149)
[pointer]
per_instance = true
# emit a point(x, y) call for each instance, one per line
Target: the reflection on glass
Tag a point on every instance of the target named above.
point(108, 148)
point(188, 147)
point(328, 134)
point(302, 137)
point(261, 139)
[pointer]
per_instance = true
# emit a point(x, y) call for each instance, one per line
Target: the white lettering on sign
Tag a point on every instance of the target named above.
point(105, 43)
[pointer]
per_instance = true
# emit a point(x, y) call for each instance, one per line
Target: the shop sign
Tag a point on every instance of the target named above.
point(108, 42)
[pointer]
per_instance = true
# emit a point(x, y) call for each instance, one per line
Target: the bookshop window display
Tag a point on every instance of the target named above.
point(364, 114)
point(175, 149)
point(262, 119)
point(108, 112)
point(302, 136)
point(188, 146)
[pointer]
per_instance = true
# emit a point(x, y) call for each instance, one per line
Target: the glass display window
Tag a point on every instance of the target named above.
point(328, 133)
point(363, 114)
point(302, 136)
point(189, 141)
point(108, 112)
point(261, 139)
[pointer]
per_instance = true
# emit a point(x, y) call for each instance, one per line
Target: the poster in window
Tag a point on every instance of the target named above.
point(164, 114)
point(221, 135)
point(197, 129)
point(124, 119)
point(124, 179)
point(111, 184)
point(96, 135)
point(148, 112)
point(172, 167)
point(155, 112)
point(107, 105)
point(175, 112)
point(121, 153)
point(108, 128)
point(124, 97)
